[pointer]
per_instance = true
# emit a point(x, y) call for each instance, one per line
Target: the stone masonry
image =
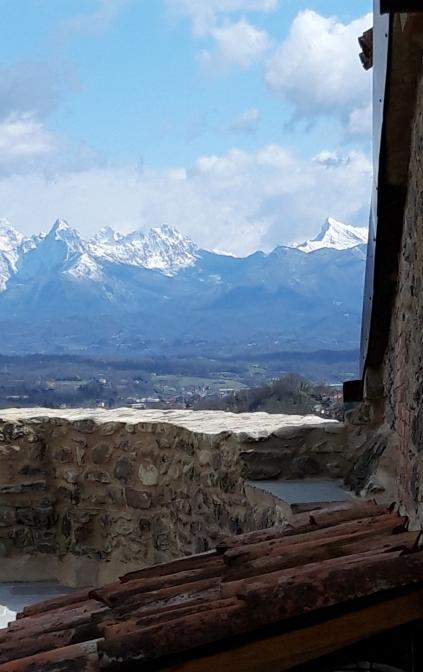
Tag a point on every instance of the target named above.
point(87, 495)
point(391, 462)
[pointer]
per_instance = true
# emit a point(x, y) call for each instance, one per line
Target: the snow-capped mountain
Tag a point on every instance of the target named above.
point(163, 249)
point(337, 236)
point(61, 293)
point(10, 238)
point(58, 251)
point(10, 251)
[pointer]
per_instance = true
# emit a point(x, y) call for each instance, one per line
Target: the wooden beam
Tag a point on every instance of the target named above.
point(288, 650)
point(388, 6)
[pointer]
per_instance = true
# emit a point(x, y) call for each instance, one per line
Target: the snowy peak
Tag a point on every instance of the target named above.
point(10, 239)
point(60, 225)
point(55, 252)
point(107, 236)
point(10, 249)
point(62, 232)
point(164, 249)
point(336, 236)
point(67, 248)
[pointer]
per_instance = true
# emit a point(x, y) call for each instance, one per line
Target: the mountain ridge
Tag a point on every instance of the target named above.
point(163, 249)
point(59, 293)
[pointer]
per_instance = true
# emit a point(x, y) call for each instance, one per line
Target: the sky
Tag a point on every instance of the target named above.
point(243, 123)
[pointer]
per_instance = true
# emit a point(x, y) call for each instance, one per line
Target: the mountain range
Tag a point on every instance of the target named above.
point(158, 291)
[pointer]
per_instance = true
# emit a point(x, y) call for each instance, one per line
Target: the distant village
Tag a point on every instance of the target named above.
point(65, 384)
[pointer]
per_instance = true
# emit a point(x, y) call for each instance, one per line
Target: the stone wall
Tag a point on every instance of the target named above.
point(403, 370)
point(297, 452)
point(88, 496)
point(391, 464)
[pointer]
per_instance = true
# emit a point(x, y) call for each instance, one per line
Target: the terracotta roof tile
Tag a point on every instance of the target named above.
point(337, 556)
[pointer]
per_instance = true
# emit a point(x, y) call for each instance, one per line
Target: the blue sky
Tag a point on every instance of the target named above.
point(242, 122)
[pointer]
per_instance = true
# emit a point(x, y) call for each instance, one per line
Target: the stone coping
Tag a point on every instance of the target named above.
point(253, 425)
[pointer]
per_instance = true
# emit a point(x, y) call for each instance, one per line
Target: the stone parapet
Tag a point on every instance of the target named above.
point(87, 491)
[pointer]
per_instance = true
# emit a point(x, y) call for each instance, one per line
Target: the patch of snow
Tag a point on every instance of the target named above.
point(32, 242)
point(108, 236)
point(223, 253)
point(163, 249)
point(61, 231)
point(86, 267)
point(10, 239)
point(336, 236)
point(6, 616)
point(11, 242)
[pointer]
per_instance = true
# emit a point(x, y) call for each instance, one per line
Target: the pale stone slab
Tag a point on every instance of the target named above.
point(254, 425)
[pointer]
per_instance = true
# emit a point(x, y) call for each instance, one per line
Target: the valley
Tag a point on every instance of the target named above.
point(150, 320)
point(61, 381)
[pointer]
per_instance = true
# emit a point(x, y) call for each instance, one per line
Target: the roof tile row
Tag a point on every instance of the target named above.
point(330, 557)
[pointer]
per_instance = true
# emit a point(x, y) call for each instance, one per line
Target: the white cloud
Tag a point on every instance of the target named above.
point(317, 66)
point(237, 44)
point(360, 120)
point(326, 158)
point(29, 91)
point(22, 139)
point(247, 122)
point(240, 201)
point(204, 14)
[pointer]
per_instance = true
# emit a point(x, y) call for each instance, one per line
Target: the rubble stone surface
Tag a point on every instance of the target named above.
point(133, 488)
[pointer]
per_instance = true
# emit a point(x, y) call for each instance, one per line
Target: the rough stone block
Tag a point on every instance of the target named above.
point(8, 450)
point(98, 476)
point(86, 426)
point(101, 453)
point(7, 516)
point(21, 488)
point(148, 474)
point(124, 526)
point(41, 518)
point(144, 525)
point(138, 500)
point(22, 538)
point(124, 468)
point(109, 428)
